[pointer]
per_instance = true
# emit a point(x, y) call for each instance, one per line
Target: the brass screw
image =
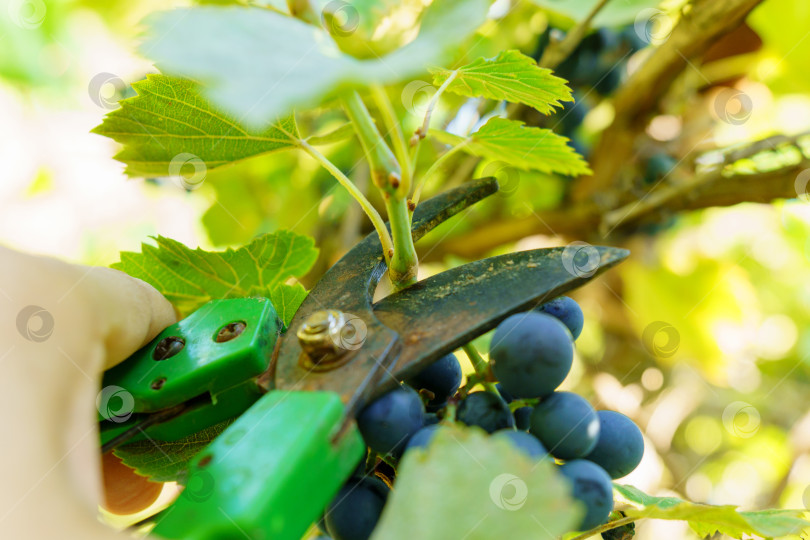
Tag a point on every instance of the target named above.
point(319, 336)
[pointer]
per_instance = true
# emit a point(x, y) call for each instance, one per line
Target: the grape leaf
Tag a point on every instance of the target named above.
point(346, 131)
point(189, 278)
point(273, 63)
point(612, 14)
point(286, 299)
point(520, 146)
point(167, 461)
point(468, 485)
point(512, 76)
point(706, 519)
point(169, 122)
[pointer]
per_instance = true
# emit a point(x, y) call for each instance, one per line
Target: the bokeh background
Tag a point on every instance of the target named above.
point(702, 336)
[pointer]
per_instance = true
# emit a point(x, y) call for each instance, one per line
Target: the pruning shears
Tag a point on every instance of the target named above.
point(295, 393)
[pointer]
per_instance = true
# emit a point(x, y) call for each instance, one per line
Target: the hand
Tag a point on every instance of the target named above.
point(61, 326)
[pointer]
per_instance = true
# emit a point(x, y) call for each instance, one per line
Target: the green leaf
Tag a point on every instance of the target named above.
point(469, 485)
point(189, 278)
point(346, 131)
point(707, 519)
point(524, 147)
point(612, 14)
point(167, 461)
point(169, 123)
point(286, 299)
point(273, 63)
point(511, 76)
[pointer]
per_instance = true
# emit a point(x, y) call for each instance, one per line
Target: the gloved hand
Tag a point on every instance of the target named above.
point(61, 326)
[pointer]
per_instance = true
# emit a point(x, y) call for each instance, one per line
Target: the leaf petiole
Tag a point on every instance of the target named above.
point(368, 208)
point(417, 193)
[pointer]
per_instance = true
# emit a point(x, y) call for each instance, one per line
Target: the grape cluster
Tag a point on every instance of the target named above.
point(595, 69)
point(530, 356)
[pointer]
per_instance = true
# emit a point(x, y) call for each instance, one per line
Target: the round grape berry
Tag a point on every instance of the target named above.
point(523, 417)
point(485, 410)
point(567, 311)
point(620, 445)
point(566, 424)
point(442, 378)
point(422, 438)
point(591, 485)
point(525, 442)
point(531, 354)
point(388, 422)
point(355, 510)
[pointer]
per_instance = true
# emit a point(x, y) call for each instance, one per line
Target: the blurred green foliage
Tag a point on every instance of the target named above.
point(731, 282)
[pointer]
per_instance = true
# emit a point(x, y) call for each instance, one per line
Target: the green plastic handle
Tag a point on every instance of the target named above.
point(270, 474)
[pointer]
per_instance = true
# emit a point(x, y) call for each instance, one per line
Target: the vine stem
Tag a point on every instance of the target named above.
point(395, 130)
point(481, 367)
point(368, 208)
point(432, 169)
point(605, 527)
point(402, 261)
point(422, 131)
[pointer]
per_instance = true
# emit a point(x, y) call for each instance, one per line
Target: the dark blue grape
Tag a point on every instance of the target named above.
point(568, 311)
point(507, 397)
point(485, 410)
point(609, 79)
point(658, 167)
point(620, 445)
point(388, 422)
point(355, 510)
point(591, 485)
point(431, 418)
point(523, 417)
point(525, 442)
point(571, 116)
point(422, 437)
point(631, 39)
point(531, 354)
point(566, 424)
point(442, 378)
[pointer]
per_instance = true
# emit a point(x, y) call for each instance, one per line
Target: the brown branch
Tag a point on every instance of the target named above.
point(713, 188)
point(702, 24)
point(585, 219)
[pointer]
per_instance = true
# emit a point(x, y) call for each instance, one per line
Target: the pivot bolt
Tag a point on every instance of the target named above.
point(320, 336)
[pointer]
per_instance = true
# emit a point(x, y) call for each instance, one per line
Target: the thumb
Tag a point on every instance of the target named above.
point(61, 325)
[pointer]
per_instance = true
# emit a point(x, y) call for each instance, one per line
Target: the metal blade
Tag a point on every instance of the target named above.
point(348, 286)
point(440, 314)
